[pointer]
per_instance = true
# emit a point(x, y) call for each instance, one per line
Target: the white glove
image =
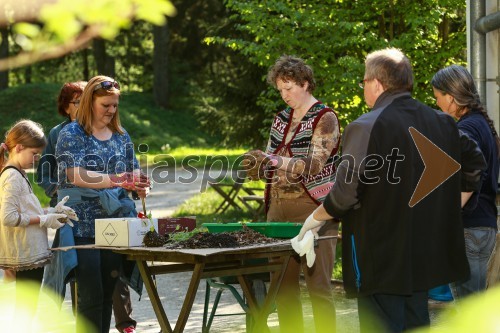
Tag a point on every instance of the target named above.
point(62, 209)
point(51, 220)
point(310, 224)
point(305, 246)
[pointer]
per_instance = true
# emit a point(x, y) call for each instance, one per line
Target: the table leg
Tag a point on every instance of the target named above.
point(153, 295)
point(261, 314)
point(189, 299)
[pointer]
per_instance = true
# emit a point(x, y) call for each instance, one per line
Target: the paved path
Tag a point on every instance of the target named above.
point(165, 197)
point(175, 188)
point(162, 201)
point(172, 188)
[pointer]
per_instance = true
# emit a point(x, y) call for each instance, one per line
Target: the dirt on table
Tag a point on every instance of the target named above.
point(154, 239)
point(239, 238)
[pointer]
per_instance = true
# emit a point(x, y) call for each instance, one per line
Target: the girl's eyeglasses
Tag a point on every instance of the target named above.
point(107, 85)
point(76, 103)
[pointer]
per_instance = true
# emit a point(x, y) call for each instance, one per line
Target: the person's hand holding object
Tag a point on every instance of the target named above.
point(131, 181)
point(310, 224)
point(255, 163)
point(51, 220)
point(62, 209)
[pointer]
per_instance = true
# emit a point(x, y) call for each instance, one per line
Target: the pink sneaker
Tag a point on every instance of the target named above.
point(130, 329)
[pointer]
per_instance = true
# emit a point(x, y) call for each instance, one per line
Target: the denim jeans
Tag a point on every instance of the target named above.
point(96, 276)
point(479, 244)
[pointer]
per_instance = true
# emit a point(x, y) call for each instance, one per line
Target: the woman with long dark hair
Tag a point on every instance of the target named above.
point(456, 94)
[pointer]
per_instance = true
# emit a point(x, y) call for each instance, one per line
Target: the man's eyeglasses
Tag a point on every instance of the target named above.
point(76, 103)
point(361, 83)
point(107, 85)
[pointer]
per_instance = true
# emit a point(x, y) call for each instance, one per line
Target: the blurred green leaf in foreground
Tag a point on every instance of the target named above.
point(47, 29)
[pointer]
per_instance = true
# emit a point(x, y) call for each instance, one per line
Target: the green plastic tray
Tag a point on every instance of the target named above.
point(270, 229)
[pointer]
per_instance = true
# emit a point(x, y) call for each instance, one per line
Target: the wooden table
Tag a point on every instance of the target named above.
point(208, 263)
point(230, 196)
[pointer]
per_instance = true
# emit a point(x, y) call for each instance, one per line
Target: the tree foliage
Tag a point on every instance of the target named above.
point(221, 84)
point(219, 51)
point(334, 38)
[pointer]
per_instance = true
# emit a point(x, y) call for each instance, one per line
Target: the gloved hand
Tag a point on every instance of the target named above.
point(62, 209)
point(310, 224)
point(51, 220)
point(305, 246)
point(131, 181)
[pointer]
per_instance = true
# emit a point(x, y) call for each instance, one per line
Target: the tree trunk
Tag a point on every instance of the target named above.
point(160, 65)
point(86, 71)
point(4, 53)
point(27, 74)
point(105, 63)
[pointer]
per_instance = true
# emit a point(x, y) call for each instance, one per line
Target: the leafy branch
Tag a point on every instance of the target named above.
point(55, 28)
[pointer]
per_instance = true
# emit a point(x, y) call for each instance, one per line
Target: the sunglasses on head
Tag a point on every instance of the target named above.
point(107, 85)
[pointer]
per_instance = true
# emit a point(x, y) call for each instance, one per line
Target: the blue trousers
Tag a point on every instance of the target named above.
point(96, 275)
point(479, 244)
point(392, 313)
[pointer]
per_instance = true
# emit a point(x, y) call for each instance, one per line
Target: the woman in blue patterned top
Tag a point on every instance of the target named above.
point(97, 165)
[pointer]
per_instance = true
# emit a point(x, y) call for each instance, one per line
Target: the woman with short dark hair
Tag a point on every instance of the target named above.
point(67, 105)
point(299, 165)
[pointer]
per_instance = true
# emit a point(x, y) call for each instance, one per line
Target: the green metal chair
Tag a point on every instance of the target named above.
point(227, 283)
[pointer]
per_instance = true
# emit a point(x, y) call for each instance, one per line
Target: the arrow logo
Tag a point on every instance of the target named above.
point(439, 166)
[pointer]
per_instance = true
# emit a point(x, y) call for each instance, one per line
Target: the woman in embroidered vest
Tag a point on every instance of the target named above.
point(24, 246)
point(298, 166)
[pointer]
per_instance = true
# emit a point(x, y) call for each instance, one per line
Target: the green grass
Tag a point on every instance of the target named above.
point(144, 121)
point(39, 192)
point(215, 158)
point(160, 128)
point(205, 204)
point(172, 138)
point(163, 135)
point(34, 101)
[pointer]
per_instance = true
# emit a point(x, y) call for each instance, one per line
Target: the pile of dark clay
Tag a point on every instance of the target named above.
point(204, 240)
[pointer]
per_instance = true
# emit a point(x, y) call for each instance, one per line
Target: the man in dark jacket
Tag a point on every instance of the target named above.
point(400, 231)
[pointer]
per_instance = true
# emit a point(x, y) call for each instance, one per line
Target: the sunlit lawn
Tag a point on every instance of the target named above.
point(206, 203)
point(39, 192)
point(214, 158)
